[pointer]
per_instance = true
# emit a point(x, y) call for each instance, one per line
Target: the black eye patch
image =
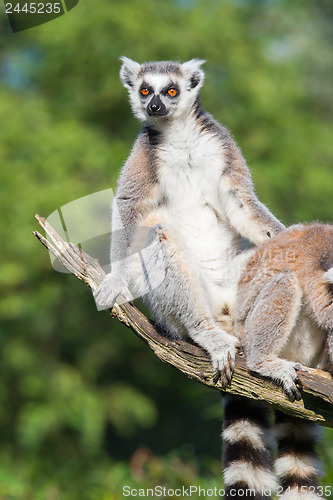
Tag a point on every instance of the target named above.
point(171, 86)
point(145, 86)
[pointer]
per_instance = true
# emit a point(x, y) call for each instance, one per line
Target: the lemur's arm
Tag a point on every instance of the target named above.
point(116, 282)
point(122, 227)
point(133, 188)
point(246, 214)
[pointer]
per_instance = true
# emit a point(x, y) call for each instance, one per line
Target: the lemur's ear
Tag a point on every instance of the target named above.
point(193, 72)
point(128, 72)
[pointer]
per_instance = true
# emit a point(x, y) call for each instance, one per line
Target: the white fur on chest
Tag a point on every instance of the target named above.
point(190, 170)
point(190, 163)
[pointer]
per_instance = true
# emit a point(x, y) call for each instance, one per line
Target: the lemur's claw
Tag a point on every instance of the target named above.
point(294, 394)
point(223, 369)
point(216, 376)
point(293, 388)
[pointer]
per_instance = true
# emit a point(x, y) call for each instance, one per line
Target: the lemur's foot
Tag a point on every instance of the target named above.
point(289, 381)
point(283, 373)
point(223, 361)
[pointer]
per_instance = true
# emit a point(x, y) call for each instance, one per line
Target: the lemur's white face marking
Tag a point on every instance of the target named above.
point(162, 91)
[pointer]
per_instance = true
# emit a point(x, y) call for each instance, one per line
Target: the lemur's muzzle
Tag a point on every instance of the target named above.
point(156, 107)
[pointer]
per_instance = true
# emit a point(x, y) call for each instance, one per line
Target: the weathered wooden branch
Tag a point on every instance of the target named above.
point(317, 402)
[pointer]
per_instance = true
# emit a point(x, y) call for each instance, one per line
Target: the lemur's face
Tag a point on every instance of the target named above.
point(162, 91)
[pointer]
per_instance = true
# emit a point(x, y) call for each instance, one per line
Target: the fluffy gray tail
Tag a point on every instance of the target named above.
point(297, 465)
point(247, 460)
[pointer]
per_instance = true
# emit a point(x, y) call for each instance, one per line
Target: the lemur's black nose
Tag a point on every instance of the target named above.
point(156, 107)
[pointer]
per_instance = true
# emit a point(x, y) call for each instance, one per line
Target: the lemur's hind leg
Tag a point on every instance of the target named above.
point(320, 300)
point(267, 330)
point(297, 464)
point(179, 299)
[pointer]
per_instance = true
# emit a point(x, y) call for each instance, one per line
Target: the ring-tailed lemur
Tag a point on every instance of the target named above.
point(284, 318)
point(184, 200)
point(187, 183)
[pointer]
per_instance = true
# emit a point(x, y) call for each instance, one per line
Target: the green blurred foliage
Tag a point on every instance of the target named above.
point(85, 407)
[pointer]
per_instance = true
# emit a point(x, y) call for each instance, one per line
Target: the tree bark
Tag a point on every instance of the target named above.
point(316, 404)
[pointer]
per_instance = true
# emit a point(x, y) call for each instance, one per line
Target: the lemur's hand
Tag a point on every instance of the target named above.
point(109, 289)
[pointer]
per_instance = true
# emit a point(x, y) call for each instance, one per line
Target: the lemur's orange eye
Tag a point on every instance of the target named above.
point(144, 91)
point(172, 92)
